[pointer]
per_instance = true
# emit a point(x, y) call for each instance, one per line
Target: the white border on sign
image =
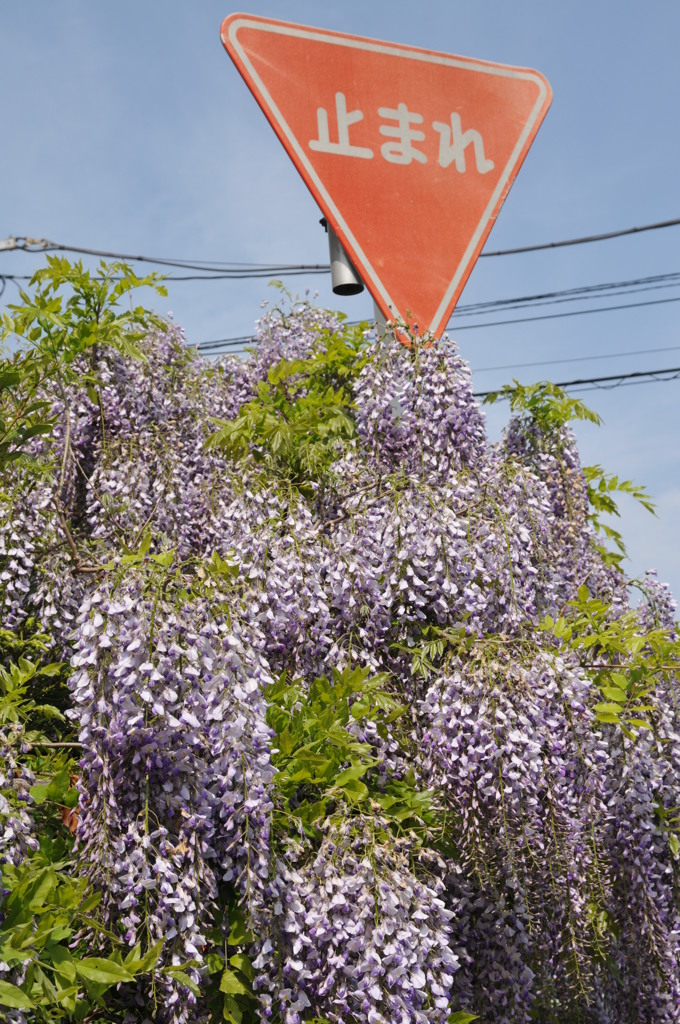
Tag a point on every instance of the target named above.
point(393, 50)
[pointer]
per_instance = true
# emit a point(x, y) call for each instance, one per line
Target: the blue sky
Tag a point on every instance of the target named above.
point(127, 128)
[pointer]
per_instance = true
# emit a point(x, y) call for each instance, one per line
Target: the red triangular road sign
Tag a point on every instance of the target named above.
point(409, 153)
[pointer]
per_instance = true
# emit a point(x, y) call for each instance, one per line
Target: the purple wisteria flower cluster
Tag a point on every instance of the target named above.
point(181, 580)
point(176, 775)
point(358, 936)
point(17, 829)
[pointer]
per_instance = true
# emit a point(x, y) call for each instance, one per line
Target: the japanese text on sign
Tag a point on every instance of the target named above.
point(399, 127)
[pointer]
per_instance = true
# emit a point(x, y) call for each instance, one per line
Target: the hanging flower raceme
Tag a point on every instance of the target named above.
point(17, 831)
point(357, 932)
point(416, 411)
point(176, 775)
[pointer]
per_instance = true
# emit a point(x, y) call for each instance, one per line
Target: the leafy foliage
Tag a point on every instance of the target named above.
point(45, 910)
point(627, 662)
point(49, 927)
point(22, 413)
point(18, 683)
point(63, 327)
point(323, 764)
point(71, 312)
point(545, 411)
point(300, 420)
point(47, 906)
point(544, 404)
point(601, 488)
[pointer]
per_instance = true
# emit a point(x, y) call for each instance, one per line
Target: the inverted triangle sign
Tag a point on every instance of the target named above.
point(409, 153)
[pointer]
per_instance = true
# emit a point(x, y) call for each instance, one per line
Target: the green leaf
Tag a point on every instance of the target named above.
point(135, 963)
point(607, 709)
point(635, 643)
point(614, 693)
point(27, 432)
point(230, 984)
point(185, 980)
point(53, 669)
point(60, 784)
point(63, 962)
point(8, 952)
point(214, 963)
point(8, 324)
point(39, 792)
point(231, 1012)
point(55, 790)
point(164, 558)
point(311, 811)
point(357, 771)
point(242, 963)
point(355, 790)
point(674, 844)
point(133, 956)
point(41, 886)
point(238, 933)
point(460, 1017)
point(94, 968)
point(67, 996)
point(12, 995)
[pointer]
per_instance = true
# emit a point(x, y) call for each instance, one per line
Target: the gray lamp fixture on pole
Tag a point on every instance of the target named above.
point(344, 278)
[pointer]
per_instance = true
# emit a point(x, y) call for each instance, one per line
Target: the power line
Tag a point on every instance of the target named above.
point(220, 344)
point(576, 294)
point(559, 316)
point(267, 273)
point(613, 380)
point(578, 359)
point(586, 239)
point(607, 381)
point(215, 270)
point(28, 244)
point(583, 384)
point(206, 267)
point(580, 293)
point(225, 343)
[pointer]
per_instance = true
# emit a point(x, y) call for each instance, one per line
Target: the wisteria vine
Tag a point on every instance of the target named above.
point(485, 824)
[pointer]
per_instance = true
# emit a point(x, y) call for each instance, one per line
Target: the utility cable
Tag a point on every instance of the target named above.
point(577, 359)
point(220, 344)
point(558, 316)
point(225, 343)
point(228, 269)
point(586, 239)
point(28, 244)
point(614, 380)
point(584, 292)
